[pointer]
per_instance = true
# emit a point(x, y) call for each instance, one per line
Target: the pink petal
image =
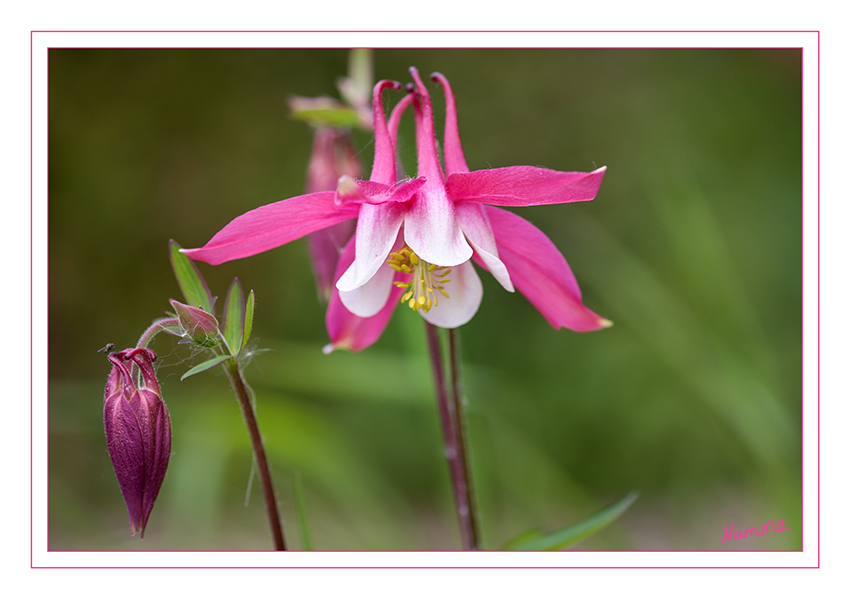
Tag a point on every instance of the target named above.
point(383, 169)
point(541, 273)
point(523, 186)
point(273, 225)
point(351, 332)
point(465, 293)
point(426, 142)
point(452, 150)
point(372, 192)
point(403, 191)
point(473, 221)
point(392, 125)
point(377, 229)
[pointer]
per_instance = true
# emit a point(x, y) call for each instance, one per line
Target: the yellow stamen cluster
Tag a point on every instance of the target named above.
point(427, 280)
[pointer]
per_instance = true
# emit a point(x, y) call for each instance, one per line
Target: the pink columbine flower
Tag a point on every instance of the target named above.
point(416, 240)
point(138, 432)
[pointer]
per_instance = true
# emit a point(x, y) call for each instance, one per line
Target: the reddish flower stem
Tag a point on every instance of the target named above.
point(156, 327)
point(147, 337)
point(460, 427)
point(454, 450)
point(260, 459)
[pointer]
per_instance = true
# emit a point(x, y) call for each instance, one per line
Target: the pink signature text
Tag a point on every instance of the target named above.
point(729, 532)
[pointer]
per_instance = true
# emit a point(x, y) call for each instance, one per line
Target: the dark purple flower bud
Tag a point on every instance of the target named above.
point(138, 431)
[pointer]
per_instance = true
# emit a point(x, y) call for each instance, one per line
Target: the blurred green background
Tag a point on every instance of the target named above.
point(692, 248)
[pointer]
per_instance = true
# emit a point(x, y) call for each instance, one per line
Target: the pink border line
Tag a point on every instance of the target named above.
point(32, 398)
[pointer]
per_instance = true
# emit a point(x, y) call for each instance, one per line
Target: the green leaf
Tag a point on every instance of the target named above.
point(301, 512)
point(522, 539)
point(249, 319)
point(571, 535)
point(189, 279)
point(234, 317)
point(323, 112)
point(211, 363)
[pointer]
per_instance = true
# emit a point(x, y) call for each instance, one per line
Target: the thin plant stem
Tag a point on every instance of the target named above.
point(451, 440)
point(147, 337)
point(260, 460)
point(457, 400)
point(156, 327)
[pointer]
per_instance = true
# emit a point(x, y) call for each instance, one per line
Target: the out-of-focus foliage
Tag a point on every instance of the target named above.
point(692, 248)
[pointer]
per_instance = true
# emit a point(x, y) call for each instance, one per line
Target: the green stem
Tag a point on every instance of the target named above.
point(238, 383)
point(452, 443)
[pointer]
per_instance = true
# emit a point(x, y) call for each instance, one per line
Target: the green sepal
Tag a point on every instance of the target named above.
point(211, 363)
point(249, 318)
point(234, 318)
point(190, 280)
point(570, 535)
point(324, 112)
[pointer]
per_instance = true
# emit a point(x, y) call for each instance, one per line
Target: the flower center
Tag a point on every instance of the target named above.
point(428, 279)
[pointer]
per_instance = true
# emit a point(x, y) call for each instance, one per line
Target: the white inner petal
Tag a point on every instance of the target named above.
point(476, 226)
point(368, 299)
point(465, 293)
point(377, 229)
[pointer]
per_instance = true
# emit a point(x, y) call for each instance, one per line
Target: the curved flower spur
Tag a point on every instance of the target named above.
point(415, 240)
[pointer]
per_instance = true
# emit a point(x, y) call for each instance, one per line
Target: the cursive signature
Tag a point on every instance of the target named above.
point(729, 532)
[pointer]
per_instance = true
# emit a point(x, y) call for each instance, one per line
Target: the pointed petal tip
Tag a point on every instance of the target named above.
point(601, 169)
point(605, 323)
point(328, 349)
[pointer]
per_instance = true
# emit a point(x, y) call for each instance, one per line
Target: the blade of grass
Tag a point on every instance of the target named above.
point(574, 533)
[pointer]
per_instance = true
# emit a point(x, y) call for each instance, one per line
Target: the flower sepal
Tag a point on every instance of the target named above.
point(198, 326)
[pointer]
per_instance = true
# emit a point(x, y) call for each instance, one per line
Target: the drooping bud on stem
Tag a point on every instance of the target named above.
point(138, 432)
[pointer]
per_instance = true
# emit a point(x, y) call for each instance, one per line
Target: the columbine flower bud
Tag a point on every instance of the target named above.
point(333, 156)
point(199, 327)
point(138, 432)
